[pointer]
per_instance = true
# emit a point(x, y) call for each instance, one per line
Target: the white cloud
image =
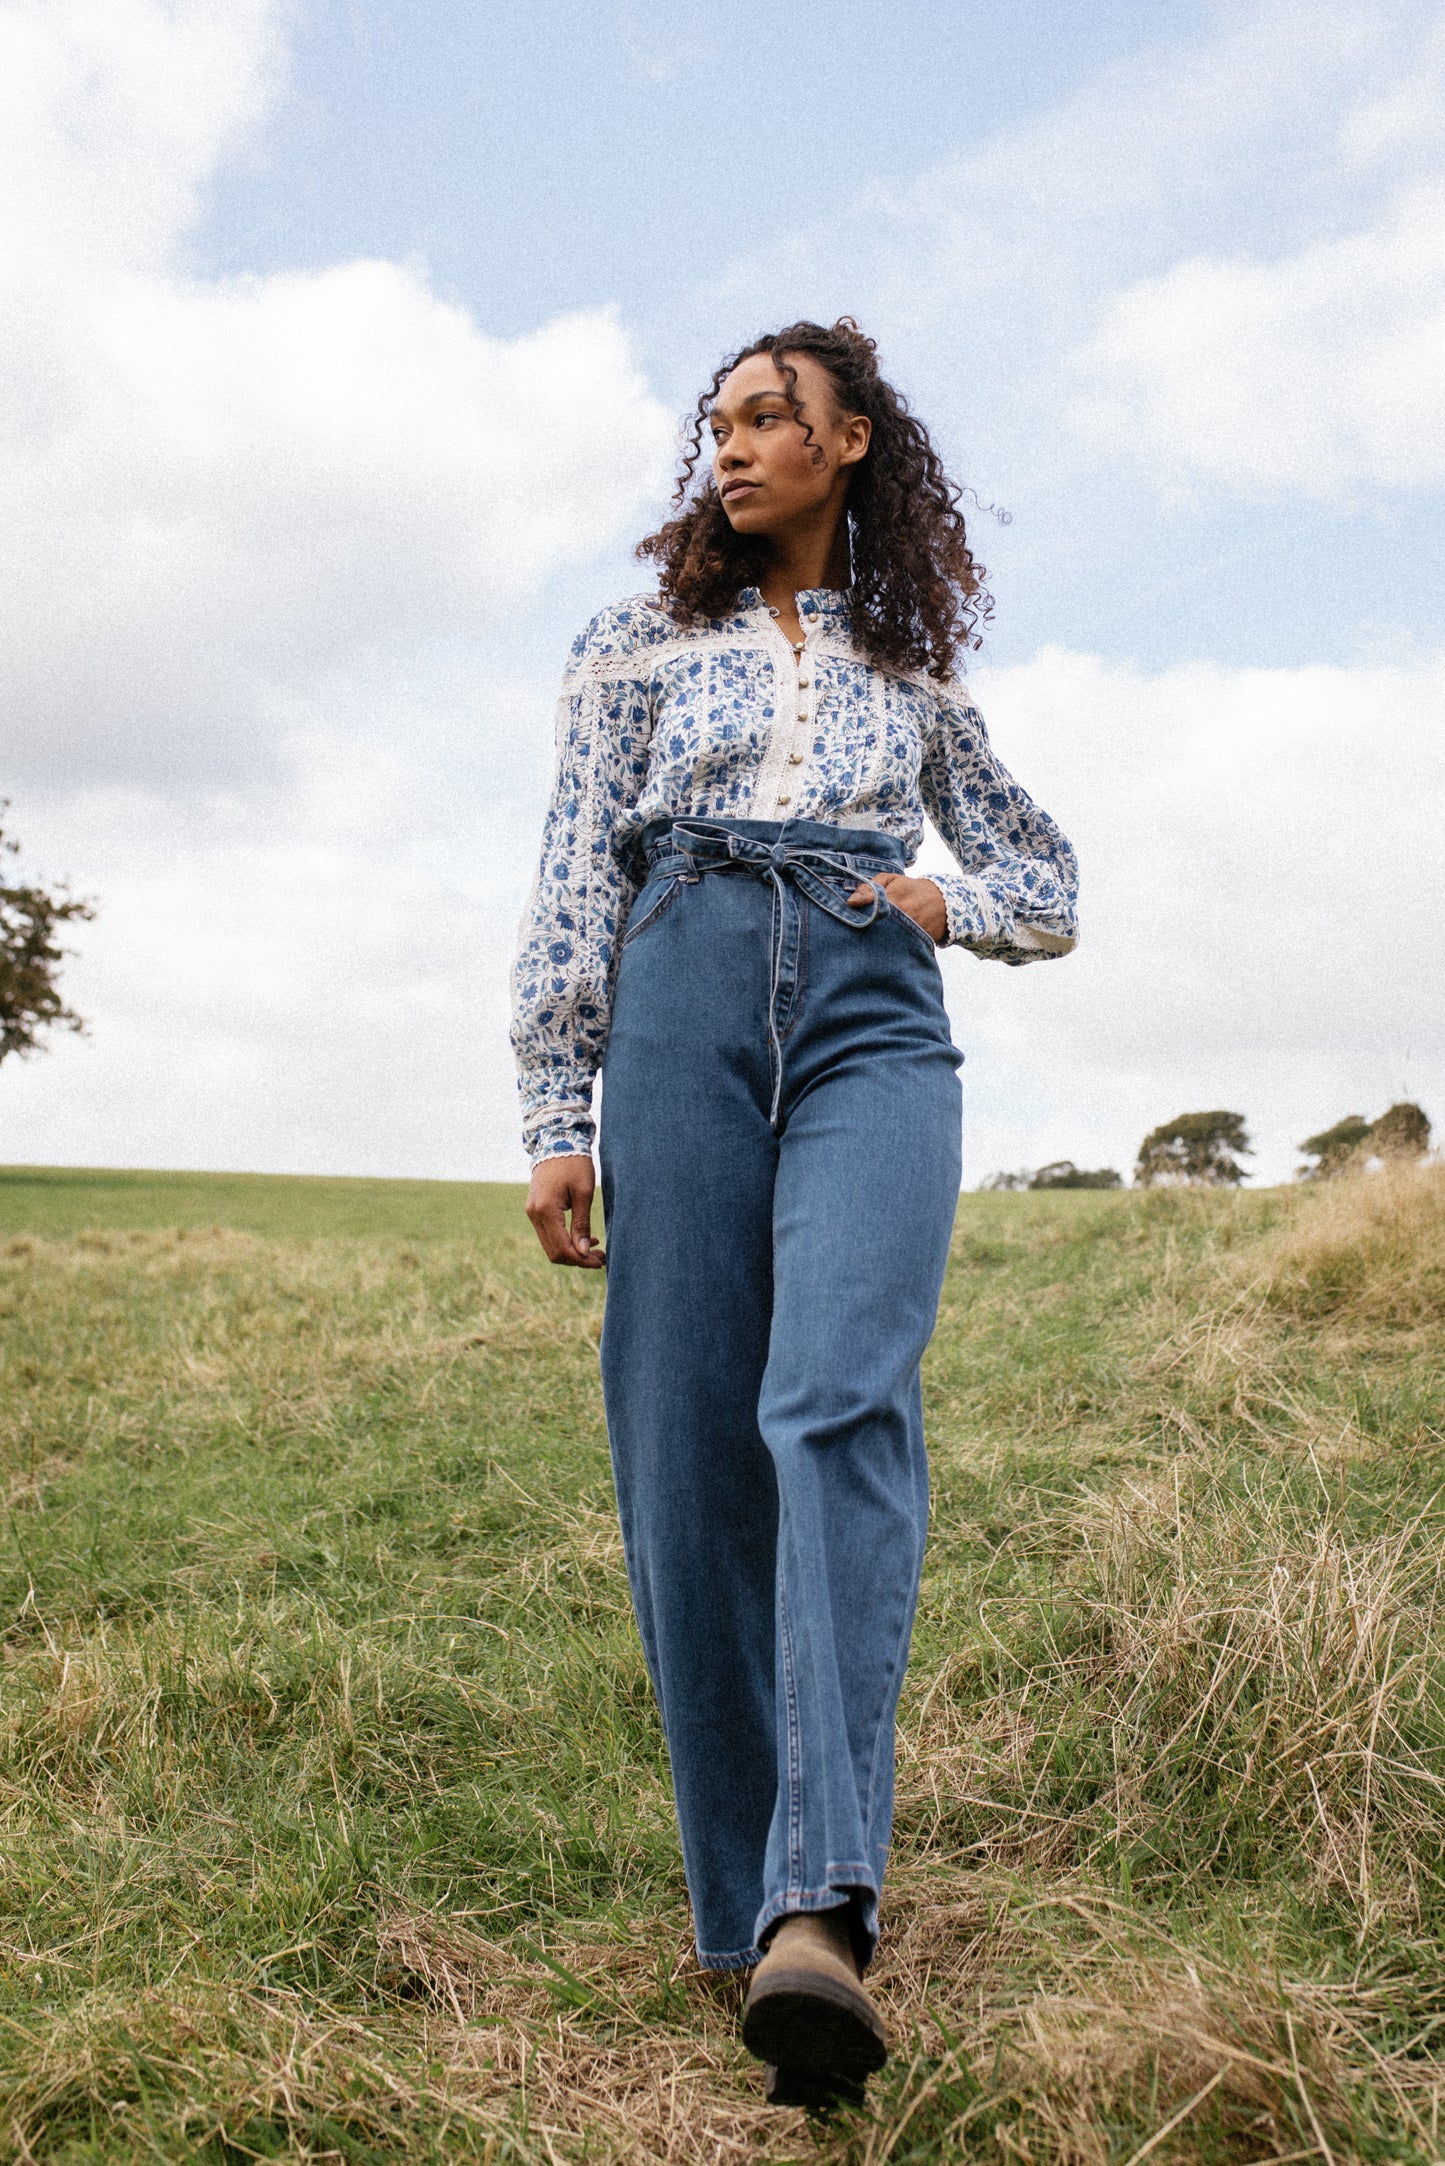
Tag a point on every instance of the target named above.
point(1321, 372)
point(215, 494)
point(1407, 116)
point(1262, 883)
point(113, 114)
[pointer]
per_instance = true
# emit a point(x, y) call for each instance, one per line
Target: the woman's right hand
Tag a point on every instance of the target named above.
point(560, 1185)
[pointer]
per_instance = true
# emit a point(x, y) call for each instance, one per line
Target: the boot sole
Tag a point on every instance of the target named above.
point(814, 2093)
point(814, 2028)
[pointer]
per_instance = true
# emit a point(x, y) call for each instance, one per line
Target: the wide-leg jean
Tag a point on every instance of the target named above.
point(780, 1171)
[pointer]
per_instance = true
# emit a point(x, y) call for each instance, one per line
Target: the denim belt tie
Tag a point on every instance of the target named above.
point(825, 876)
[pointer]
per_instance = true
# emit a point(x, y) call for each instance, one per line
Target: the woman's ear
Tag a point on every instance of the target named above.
point(857, 435)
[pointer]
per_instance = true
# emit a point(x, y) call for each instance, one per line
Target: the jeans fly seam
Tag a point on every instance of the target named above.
point(800, 980)
point(775, 964)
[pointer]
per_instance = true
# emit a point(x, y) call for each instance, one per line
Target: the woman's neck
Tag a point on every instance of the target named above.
point(797, 565)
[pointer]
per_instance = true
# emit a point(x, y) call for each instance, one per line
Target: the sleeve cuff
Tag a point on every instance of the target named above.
point(560, 1135)
point(977, 920)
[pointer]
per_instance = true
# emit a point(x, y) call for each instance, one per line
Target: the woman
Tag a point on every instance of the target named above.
point(724, 924)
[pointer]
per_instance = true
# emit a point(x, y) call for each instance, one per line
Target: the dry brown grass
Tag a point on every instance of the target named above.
point(1215, 2059)
point(1364, 1250)
point(1217, 1677)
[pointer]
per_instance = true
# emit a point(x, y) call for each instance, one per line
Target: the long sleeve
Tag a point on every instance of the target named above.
point(1015, 896)
point(566, 959)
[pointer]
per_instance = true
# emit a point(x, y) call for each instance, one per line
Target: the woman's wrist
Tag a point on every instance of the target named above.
point(564, 1135)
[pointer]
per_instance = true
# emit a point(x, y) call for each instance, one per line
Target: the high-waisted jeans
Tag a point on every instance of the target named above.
point(780, 1171)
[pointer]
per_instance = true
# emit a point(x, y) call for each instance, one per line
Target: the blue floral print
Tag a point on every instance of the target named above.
point(724, 720)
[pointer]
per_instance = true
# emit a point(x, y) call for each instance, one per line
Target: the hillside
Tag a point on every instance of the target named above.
point(334, 1808)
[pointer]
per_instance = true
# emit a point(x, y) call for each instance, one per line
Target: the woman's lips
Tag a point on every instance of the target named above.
point(739, 488)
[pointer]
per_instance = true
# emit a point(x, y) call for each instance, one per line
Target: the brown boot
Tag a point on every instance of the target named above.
point(806, 2010)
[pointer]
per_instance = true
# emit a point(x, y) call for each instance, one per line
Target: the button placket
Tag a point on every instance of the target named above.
point(792, 736)
point(806, 666)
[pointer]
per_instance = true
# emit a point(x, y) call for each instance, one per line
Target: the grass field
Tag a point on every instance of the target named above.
point(333, 1810)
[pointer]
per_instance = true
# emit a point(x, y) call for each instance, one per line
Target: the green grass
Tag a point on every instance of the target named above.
point(334, 1818)
point(61, 1200)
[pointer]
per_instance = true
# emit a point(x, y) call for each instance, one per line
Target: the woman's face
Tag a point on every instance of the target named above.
point(769, 476)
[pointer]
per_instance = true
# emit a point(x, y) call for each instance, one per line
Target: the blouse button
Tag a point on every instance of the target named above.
point(782, 800)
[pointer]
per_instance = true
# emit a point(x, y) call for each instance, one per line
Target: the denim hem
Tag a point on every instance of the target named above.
point(832, 1896)
point(738, 1959)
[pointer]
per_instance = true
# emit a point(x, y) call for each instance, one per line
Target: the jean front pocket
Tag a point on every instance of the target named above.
point(918, 931)
point(656, 899)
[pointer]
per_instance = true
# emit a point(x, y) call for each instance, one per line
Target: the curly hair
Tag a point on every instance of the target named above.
point(917, 590)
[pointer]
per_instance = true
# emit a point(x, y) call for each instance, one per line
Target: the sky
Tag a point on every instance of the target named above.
point(345, 357)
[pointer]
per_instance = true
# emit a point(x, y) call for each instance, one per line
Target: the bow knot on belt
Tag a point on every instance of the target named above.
point(825, 877)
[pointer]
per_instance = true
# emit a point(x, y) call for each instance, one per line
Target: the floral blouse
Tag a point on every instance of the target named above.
point(724, 721)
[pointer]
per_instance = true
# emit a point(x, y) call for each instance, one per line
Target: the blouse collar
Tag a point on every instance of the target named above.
point(829, 605)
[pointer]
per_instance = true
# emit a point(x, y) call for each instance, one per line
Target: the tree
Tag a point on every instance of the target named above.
point(1334, 1148)
point(1402, 1131)
point(30, 959)
point(1063, 1173)
point(996, 1181)
point(1195, 1148)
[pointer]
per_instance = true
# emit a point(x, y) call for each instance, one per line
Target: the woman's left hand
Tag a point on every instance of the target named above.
point(917, 899)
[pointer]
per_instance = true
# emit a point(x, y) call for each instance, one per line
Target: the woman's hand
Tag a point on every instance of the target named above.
point(560, 1185)
point(917, 899)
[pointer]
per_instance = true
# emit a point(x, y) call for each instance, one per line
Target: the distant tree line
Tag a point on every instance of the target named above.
point(1062, 1173)
point(1207, 1150)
